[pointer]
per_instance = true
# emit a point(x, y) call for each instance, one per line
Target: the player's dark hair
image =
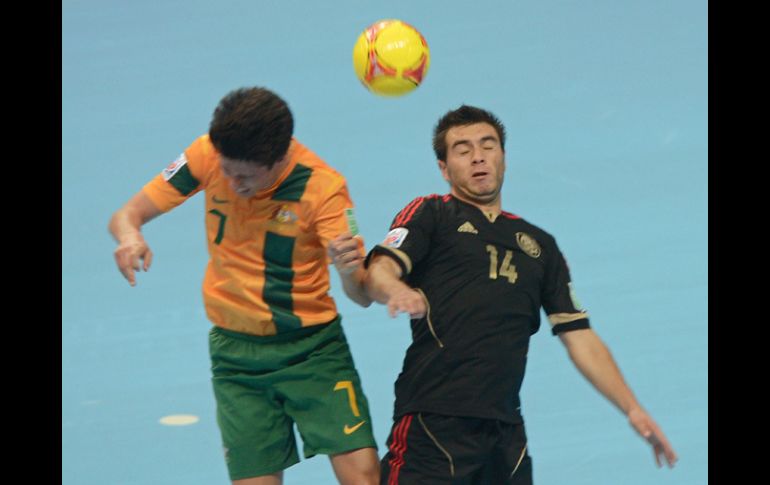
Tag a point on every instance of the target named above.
point(252, 124)
point(463, 116)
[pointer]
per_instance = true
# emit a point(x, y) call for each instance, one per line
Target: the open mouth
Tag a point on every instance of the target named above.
point(479, 175)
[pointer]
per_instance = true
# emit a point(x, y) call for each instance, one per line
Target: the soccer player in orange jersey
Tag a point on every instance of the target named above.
point(279, 355)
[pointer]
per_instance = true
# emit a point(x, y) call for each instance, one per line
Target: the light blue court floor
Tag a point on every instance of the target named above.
point(605, 105)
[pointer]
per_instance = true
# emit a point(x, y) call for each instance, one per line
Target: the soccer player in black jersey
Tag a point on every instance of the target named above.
point(473, 279)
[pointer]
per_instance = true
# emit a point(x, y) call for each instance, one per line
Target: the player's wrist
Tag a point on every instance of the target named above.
point(130, 238)
point(634, 409)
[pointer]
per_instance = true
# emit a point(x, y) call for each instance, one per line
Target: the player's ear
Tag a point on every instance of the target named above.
point(442, 167)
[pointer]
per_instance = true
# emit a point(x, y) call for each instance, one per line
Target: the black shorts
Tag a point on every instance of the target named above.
point(425, 449)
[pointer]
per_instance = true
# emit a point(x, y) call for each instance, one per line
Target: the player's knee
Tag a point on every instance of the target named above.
point(367, 469)
point(370, 473)
point(361, 467)
point(367, 476)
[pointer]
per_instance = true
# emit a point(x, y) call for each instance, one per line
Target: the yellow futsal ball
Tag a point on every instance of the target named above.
point(391, 57)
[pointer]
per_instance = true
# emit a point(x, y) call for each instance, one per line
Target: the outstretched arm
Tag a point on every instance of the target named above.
point(593, 359)
point(346, 252)
point(383, 284)
point(133, 253)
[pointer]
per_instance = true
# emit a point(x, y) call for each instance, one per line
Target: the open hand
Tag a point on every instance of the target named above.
point(650, 431)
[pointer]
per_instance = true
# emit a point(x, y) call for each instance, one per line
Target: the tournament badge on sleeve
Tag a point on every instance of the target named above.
point(351, 221)
point(174, 167)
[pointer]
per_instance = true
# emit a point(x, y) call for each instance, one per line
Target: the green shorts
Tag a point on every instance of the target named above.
point(264, 385)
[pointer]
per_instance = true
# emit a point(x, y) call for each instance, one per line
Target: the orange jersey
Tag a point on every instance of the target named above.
point(268, 267)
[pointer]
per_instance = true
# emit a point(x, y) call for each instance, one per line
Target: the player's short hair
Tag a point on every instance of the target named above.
point(463, 116)
point(252, 124)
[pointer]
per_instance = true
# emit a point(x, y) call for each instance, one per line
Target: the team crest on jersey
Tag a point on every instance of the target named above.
point(174, 167)
point(528, 244)
point(284, 215)
point(395, 237)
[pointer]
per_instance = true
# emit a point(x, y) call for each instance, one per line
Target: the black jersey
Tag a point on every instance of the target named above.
point(485, 283)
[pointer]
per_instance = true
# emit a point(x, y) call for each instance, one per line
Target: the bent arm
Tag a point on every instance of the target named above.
point(352, 284)
point(383, 285)
point(125, 226)
point(347, 253)
point(383, 279)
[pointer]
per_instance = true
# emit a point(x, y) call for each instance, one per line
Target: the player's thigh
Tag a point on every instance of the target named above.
point(257, 434)
point(426, 448)
point(325, 398)
point(422, 450)
point(517, 453)
point(509, 462)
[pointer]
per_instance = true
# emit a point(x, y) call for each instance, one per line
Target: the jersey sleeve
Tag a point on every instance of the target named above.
point(335, 216)
point(558, 298)
point(408, 240)
point(183, 178)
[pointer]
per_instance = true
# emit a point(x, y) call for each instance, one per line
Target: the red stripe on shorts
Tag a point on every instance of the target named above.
point(398, 448)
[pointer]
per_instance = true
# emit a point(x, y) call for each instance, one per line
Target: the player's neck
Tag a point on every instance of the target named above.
point(490, 209)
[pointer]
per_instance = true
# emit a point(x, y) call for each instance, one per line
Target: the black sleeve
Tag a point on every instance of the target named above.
point(558, 298)
point(408, 240)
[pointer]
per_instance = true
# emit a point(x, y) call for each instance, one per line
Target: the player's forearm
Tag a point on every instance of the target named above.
point(382, 280)
point(353, 285)
point(596, 363)
point(127, 221)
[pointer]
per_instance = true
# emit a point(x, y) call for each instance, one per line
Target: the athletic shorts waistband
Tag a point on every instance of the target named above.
point(281, 337)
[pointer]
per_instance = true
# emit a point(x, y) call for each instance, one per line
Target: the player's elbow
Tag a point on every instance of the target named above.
point(362, 300)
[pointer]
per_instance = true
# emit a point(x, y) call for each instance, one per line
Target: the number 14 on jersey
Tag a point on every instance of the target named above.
point(506, 268)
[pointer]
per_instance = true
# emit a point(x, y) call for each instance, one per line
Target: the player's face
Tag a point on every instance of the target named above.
point(475, 163)
point(248, 178)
